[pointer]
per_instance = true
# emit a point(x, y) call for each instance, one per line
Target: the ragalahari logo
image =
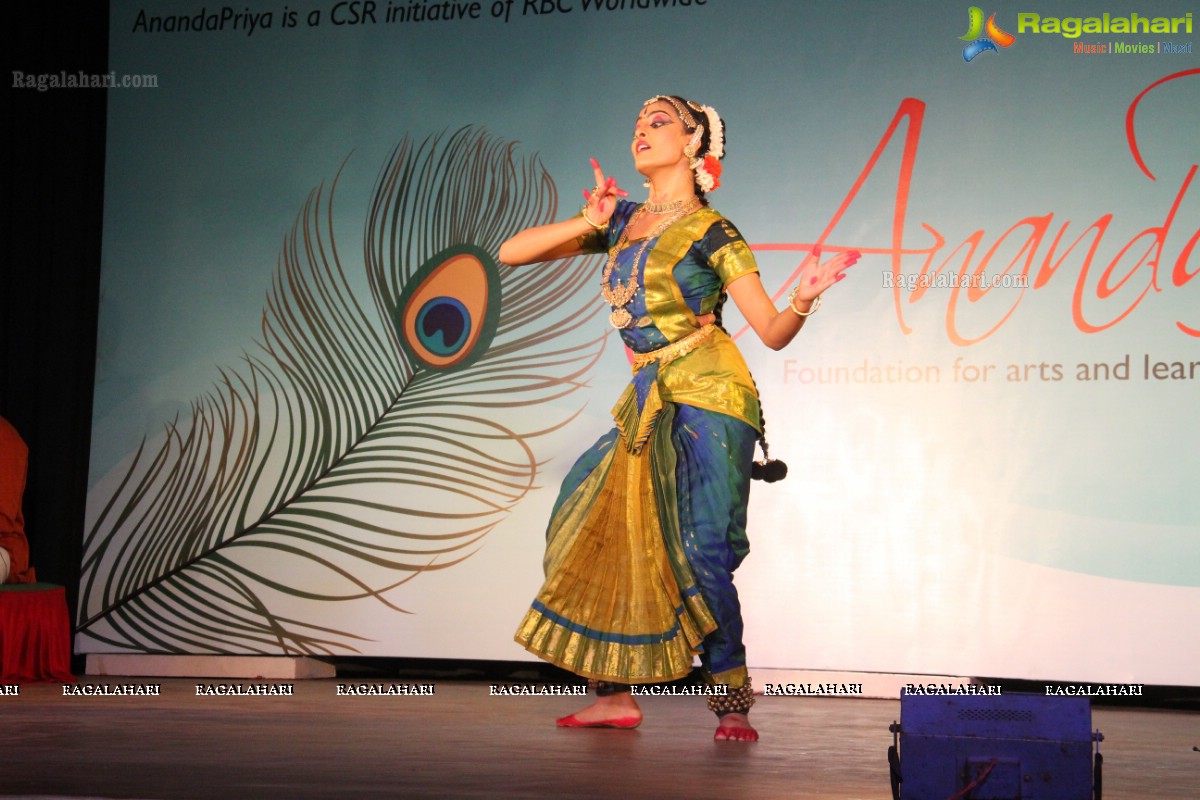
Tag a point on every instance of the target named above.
point(976, 41)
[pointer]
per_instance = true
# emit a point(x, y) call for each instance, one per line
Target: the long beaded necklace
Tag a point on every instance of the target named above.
point(622, 293)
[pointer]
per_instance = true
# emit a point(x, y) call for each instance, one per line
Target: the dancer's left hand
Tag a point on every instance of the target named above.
point(816, 277)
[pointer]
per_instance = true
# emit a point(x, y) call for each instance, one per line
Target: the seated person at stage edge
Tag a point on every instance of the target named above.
point(14, 548)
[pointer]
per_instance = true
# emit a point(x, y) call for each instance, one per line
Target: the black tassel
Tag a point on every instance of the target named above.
point(770, 470)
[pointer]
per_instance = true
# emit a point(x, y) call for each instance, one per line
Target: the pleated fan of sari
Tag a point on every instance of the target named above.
point(371, 436)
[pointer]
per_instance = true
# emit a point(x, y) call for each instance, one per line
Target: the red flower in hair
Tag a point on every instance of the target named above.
point(712, 166)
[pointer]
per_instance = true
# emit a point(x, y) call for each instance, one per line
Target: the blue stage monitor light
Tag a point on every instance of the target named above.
point(994, 747)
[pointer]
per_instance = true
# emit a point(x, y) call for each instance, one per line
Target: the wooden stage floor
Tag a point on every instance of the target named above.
point(462, 742)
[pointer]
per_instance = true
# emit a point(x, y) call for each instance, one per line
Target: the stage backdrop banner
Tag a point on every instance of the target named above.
point(328, 420)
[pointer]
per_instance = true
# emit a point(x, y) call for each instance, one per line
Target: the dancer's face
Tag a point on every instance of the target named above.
point(659, 137)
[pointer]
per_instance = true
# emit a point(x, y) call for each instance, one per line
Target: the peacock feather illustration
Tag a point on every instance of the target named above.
point(371, 436)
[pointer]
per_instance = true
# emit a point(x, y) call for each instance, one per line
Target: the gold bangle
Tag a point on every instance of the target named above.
point(588, 220)
point(816, 303)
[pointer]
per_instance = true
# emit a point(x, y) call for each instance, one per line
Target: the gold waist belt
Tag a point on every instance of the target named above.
point(674, 350)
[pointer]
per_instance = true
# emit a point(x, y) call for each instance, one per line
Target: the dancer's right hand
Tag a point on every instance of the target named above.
point(602, 197)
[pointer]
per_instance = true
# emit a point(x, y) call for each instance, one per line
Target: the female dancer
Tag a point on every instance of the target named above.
point(651, 521)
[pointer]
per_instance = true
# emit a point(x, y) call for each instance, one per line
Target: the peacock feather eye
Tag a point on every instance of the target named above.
point(449, 309)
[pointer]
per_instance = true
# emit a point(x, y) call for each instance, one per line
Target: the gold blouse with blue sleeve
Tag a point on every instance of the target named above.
point(684, 275)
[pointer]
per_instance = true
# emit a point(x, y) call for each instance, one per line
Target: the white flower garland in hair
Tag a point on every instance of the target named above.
point(716, 139)
point(708, 167)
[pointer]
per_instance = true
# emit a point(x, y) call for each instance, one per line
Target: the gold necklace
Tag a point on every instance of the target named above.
point(663, 208)
point(622, 293)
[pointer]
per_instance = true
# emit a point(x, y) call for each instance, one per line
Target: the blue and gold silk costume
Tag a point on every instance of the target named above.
point(651, 521)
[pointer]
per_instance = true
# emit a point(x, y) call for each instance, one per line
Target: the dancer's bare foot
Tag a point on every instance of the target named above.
point(618, 710)
point(735, 728)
